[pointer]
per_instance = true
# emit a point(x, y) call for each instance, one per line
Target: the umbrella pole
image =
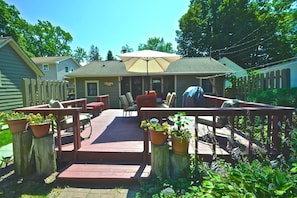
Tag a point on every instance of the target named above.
point(148, 80)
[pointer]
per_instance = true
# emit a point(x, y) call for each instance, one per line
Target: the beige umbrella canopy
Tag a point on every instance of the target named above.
point(148, 61)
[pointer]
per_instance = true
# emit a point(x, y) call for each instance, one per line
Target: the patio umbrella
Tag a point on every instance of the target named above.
point(148, 61)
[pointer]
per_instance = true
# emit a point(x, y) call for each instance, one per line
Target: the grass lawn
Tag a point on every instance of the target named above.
point(5, 137)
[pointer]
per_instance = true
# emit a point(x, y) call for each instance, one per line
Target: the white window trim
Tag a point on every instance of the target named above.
point(44, 67)
point(86, 87)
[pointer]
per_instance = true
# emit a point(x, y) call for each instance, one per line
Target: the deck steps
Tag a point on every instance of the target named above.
point(104, 173)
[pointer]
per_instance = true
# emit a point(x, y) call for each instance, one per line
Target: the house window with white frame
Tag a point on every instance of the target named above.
point(66, 69)
point(45, 67)
point(92, 88)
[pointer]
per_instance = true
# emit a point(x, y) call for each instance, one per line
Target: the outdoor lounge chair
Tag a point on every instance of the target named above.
point(170, 102)
point(67, 122)
point(130, 99)
point(125, 105)
point(220, 121)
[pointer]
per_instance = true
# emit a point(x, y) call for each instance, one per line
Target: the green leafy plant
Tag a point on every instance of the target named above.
point(180, 126)
point(39, 119)
point(154, 124)
point(11, 116)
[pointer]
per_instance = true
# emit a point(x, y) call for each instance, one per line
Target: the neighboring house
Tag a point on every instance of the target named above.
point(56, 67)
point(292, 65)
point(238, 71)
point(111, 77)
point(14, 66)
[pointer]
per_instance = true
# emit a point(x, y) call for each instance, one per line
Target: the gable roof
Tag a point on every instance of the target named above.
point(238, 70)
point(53, 60)
point(10, 41)
point(187, 65)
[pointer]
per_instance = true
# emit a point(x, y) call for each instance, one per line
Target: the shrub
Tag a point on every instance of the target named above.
point(278, 97)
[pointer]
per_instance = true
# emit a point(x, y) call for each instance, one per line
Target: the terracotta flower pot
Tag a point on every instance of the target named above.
point(40, 130)
point(180, 146)
point(17, 125)
point(158, 137)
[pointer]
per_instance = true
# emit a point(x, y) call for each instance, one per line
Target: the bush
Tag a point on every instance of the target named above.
point(278, 97)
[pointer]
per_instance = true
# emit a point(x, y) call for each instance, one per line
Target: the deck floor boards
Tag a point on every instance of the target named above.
point(121, 137)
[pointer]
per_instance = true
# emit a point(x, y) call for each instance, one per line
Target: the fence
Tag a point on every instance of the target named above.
point(37, 92)
point(242, 86)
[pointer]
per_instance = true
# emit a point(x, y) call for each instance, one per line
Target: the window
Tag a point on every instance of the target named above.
point(92, 88)
point(66, 69)
point(156, 82)
point(206, 85)
point(45, 67)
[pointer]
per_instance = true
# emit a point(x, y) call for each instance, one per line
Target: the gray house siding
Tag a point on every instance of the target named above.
point(13, 69)
point(112, 91)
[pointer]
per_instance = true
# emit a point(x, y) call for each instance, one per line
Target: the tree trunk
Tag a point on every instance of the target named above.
point(160, 160)
point(45, 155)
point(22, 154)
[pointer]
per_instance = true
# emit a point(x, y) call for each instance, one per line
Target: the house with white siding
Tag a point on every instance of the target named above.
point(56, 67)
point(289, 64)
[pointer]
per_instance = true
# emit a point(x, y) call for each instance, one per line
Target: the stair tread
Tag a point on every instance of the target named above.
point(105, 171)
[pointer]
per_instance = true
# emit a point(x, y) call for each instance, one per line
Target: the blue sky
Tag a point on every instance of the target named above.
point(109, 25)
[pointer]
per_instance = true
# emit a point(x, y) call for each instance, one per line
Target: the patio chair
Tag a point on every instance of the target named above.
point(170, 102)
point(168, 96)
point(130, 99)
point(67, 122)
point(125, 105)
point(220, 121)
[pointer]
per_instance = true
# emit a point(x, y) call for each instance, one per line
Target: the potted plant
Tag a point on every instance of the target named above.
point(40, 124)
point(158, 131)
point(16, 121)
point(180, 133)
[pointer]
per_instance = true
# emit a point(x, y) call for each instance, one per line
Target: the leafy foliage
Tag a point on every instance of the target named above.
point(278, 97)
point(222, 179)
point(157, 44)
point(94, 54)
point(80, 55)
point(248, 32)
point(180, 126)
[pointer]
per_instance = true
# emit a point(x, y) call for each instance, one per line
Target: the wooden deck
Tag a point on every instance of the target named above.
point(114, 152)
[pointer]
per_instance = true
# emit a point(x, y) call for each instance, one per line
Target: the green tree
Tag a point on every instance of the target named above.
point(41, 39)
point(157, 44)
point(94, 54)
point(44, 39)
point(247, 32)
point(110, 56)
point(10, 22)
point(80, 55)
point(126, 48)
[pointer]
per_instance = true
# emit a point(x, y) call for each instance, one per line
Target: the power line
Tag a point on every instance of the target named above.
point(247, 48)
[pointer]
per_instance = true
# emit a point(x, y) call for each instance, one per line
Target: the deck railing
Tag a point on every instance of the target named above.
point(272, 123)
point(74, 107)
